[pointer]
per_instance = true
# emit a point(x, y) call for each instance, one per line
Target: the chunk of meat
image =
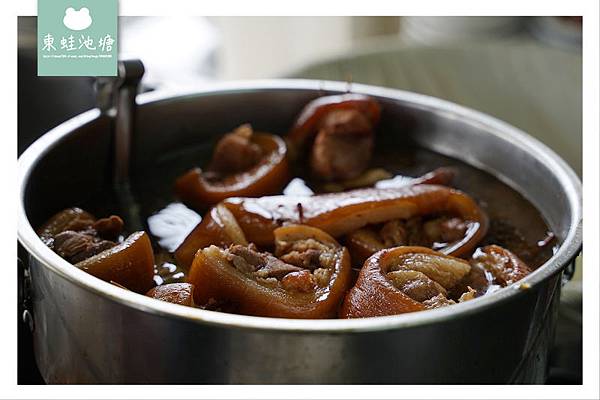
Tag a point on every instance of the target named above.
point(401, 280)
point(311, 118)
point(77, 246)
point(445, 229)
point(404, 232)
point(505, 266)
point(263, 265)
point(393, 233)
point(447, 271)
point(299, 246)
point(275, 268)
point(438, 301)
point(177, 293)
point(307, 253)
point(416, 232)
point(323, 275)
point(245, 258)
point(416, 284)
point(244, 163)
point(438, 233)
point(75, 234)
point(109, 228)
point(300, 281)
point(309, 259)
point(263, 285)
point(343, 147)
point(235, 152)
point(70, 219)
point(421, 287)
point(80, 239)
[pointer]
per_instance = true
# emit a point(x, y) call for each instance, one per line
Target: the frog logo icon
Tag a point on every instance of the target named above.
point(77, 20)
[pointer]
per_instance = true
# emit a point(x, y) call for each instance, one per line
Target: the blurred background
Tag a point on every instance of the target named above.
point(523, 70)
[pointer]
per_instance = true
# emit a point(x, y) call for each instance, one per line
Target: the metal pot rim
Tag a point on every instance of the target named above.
point(567, 251)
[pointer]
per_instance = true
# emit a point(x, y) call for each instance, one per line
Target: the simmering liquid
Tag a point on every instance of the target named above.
point(514, 222)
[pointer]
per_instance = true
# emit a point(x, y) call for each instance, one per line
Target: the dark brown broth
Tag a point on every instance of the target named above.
point(515, 223)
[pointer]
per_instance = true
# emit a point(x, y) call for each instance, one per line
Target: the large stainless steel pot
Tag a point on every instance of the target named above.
point(86, 330)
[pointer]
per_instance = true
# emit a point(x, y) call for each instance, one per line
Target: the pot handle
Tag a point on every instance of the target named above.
point(116, 98)
point(24, 293)
point(130, 75)
point(569, 270)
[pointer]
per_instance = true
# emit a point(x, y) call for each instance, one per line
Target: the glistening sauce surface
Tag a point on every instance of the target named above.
point(514, 222)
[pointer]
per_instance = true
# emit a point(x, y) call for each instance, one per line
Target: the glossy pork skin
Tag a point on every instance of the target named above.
point(307, 124)
point(268, 174)
point(337, 134)
point(218, 277)
point(339, 214)
point(91, 245)
point(129, 263)
point(377, 294)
